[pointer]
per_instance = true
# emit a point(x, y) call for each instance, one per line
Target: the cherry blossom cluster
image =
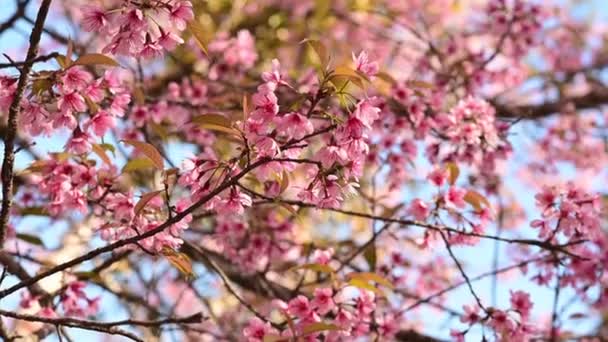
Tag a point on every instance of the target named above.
point(63, 104)
point(253, 249)
point(451, 203)
point(124, 222)
point(513, 323)
point(351, 310)
point(73, 301)
point(568, 210)
point(517, 23)
point(471, 135)
point(342, 158)
point(572, 138)
point(139, 29)
point(397, 148)
point(231, 55)
point(64, 186)
point(571, 214)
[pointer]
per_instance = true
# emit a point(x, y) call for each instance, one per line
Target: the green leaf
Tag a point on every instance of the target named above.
point(88, 275)
point(93, 107)
point(41, 85)
point(246, 106)
point(138, 164)
point(370, 276)
point(216, 122)
point(343, 72)
point(288, 208)
point(63, 61)
point(386, 78)
point(149, 151)
point(212, 118)
point(36, 166)
point(362, 284)
point(95, 59)
point(109, 147)
point(34, 211)
point(31, 239)
point(284, 184)
point(139, 96)
point(315, 267)
point(160, 130)
point(370, 256)
point(420, 84)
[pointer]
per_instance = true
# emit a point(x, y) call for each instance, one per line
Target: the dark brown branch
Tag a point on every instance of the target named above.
point(595, 98)
point(73, 323)
point(413, 336)
point(53, 34)
point(38, 59)
point(18, 271)
point(13, 114)
point(106, 327)
point(253, 282)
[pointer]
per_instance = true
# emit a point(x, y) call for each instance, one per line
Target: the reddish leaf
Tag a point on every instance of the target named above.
point(145, 198)
point(149, 151)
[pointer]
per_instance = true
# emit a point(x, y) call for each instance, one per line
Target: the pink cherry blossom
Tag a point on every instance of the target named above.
point(419, 209)
point(94, 18)
point(455, 197)
point(323, 301)
point(363, 64)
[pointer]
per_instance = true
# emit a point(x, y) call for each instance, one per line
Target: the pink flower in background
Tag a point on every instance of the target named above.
point(419, 209)
point(256, 330)
point(72, 101)
point(322, 257)
point(455, 197)
point(295, 125)
point(94, 18)
point(438, 176)
point(364, 65)
point(101, 123)
point(323, 301)
point(76, 78)
point(520, 302)
point(181, 13)
point(299, 307)
point(471, 314)
point(79, 143)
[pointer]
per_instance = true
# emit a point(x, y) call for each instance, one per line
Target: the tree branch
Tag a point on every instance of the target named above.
point(595, 98)
point(13, 114)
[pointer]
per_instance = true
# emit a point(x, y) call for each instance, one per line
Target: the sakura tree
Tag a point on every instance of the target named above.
point(278, 170)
